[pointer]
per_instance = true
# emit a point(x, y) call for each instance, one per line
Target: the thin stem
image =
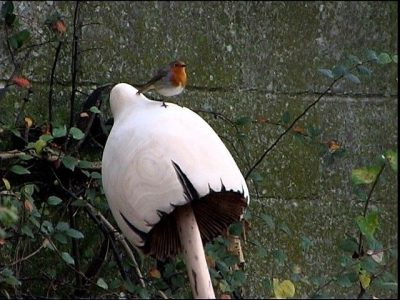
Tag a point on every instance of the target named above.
point(52, 82)
point(298, 118)
point(74, 64)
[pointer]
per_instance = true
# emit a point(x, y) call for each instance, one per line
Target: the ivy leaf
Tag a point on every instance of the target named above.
point(95, 110)
point(363, 70)
point(76, 234)
point(70, 162)
point(354, 59)
point(6, 184)
point(284, 289)
point(54, 200)
point(384, 58)
point(76, 133)
point(365, 279)
point(7, 8)
point(62, 226)
point(285, 117)
point(326, 72)
point(339, 71)
point(365, 175)
point(371, 55)
point(27, 231)
point(353, 78)
point(368, 224)
point(349, 245)
point(67, 258)
point(60, 131)
point(17, 40)
point(19, 170)
point(39, 145)
point(243, 121)
point(101, 283)
point(391, 156)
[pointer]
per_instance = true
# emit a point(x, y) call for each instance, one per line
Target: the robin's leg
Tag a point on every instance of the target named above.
point(163, 103)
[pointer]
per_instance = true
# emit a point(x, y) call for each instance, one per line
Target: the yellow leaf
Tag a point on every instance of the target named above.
point(365, 280)
point(28, 122)
point(283, 290)
point(7, 184)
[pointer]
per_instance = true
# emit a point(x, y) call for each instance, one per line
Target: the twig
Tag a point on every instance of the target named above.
point(298, 118)
point(53, 69)
point(360, 243)
point(74, 64)
point(26, 257)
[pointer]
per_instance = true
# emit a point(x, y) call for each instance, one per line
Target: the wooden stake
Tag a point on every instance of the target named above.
point(193, 253)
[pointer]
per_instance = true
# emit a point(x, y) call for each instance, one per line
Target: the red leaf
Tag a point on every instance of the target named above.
point(22, 82)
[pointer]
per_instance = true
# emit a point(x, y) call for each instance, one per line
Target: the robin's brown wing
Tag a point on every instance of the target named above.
point(148, 85)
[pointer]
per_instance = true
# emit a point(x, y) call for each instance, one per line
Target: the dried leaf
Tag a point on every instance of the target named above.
point(154, 273)
point(21, 82)
point(298, 129)
point(28, 205)
point(261, 120)
point(28, 122)
point(59, 26)
point(333, 146)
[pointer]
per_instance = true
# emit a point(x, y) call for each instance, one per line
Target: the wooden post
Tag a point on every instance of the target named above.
point(193, 253)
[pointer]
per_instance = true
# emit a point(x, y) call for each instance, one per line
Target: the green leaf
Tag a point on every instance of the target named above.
point(268, 220)
point(236, 228)
point(70, 162)
point(67, 258)
point(339, 71)
point(326, 72)
point(243, 121)
point(46, 137)
point(101, 283)
point(365, 175)
point(256, 176)
point(95, 110)
point(368, 224)
point(76, 234)
point(285, 117)
point(305, 243)
point(363, 70)
point(384, 58)
point(354, 59)
point(349, 245)
point(39, 145)
point(344, 281)
point(353, 78)
point(285, 228)
point(394, 58)
point(25, 229)
point(371, 55)
point(7, 8)
point(391, 156)
point(18, 39)
point(279, 256)
point(62, 226)
point(76, 133)
point(61, 238)
point(54, 200)
point(60, 131)
point(20, 170)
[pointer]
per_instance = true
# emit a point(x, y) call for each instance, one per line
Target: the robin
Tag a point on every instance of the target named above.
point(169, 80)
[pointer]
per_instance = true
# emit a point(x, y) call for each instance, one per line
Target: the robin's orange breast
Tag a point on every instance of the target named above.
point(179, 77)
